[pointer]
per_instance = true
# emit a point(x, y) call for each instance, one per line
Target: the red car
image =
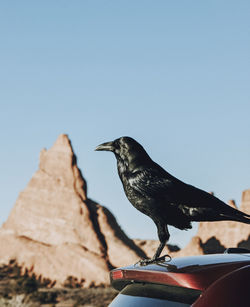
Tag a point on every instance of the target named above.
point(221, 280)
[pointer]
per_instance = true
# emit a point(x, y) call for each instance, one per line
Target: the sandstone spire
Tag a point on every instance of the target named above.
point(57, 230)
point(51, 209)
point(245, 201)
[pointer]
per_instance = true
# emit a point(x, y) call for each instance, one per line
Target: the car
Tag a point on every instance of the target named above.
point(221, 280)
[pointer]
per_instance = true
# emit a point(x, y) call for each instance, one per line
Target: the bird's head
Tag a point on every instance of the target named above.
point(126, 149)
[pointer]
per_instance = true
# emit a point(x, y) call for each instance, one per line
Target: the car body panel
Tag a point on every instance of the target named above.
point(232, 289)
point(197, 272)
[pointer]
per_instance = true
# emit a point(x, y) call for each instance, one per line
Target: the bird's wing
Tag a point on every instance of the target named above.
point(153, 182)
point(199, 205)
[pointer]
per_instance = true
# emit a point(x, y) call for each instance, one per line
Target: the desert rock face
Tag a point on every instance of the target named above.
point(51, 209)
point(245, 203)
point(194, 248)
point(150, 246)
point(56, 231)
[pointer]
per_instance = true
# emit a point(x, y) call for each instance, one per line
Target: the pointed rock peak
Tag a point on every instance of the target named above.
point(60, 164)
point(60, 153)
point(63, 144)
point(54, 223)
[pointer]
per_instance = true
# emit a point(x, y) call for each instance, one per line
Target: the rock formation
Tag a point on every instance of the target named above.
point(56, 231)
point(150, 246)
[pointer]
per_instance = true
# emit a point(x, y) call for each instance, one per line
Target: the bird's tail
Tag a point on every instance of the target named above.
point(237, 215)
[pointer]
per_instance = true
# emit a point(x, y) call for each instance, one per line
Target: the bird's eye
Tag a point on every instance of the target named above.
point(116, 146)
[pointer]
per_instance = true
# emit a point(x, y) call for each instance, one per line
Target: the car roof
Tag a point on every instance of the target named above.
point(195, 272)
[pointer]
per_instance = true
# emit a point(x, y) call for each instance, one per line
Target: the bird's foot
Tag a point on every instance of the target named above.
point(144, 262)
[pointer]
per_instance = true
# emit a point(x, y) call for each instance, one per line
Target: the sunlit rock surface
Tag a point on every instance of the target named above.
point(55, 230)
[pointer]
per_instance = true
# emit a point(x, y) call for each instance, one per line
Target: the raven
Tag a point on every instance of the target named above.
point(161, 196)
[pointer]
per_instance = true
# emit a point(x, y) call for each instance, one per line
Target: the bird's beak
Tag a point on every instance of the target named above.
point(105, 146)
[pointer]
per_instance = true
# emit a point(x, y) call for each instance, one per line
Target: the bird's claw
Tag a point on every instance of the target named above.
point(144, 262)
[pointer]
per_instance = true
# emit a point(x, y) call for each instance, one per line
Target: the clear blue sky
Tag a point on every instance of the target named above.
point(174, 75)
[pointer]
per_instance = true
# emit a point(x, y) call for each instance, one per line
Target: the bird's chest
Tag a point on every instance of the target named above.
point(132, 195)
point(136, 198)
point(139, 201)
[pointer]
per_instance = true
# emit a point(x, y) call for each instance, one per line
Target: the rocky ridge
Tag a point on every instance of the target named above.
point(56, 231)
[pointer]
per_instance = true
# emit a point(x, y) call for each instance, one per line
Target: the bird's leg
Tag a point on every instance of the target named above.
point(159, 250)
point(163, 235)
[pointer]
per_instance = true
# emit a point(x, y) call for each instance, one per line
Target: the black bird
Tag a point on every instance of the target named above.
point(161, 196)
